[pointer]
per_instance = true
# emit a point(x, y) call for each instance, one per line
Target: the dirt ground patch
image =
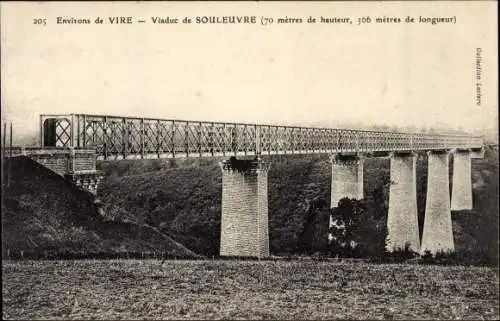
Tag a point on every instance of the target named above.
point(136, 289)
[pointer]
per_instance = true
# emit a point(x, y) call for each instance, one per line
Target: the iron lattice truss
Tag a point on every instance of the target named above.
point(62, 132)
point(125, 137)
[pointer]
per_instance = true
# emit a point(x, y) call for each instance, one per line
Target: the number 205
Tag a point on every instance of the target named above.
point(40, 21)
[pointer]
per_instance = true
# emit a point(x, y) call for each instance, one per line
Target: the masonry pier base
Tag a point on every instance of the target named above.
point(438, 234)
point(402, 220)
point(461, 193)
point(244, 221)
point(347, 178)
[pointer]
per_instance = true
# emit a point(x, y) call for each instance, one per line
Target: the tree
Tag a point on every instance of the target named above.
point(312, 235)
point(358, 229)
point(346, 218)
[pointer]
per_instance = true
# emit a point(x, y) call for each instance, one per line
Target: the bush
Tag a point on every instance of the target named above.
point(345, 217)
point(461, 257)
point(400, 255)
point(358, 231)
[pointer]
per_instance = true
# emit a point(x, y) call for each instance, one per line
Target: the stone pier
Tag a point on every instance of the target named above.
point(244, 222)
point(347, 180)
point(347, 177)
point(402, 220)
point(438, 234)
point(461, 190)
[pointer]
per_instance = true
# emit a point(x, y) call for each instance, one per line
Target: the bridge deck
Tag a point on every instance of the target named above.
point(116, 137)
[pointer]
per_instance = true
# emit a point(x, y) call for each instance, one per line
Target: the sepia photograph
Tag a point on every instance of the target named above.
point(254, 160)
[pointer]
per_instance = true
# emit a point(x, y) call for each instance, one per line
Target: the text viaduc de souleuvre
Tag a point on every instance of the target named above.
point(247, 20)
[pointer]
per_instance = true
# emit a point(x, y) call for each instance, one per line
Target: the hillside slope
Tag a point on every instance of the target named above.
point(479, 229)
point(182, 198)
point(42, 212)
point(174, 206)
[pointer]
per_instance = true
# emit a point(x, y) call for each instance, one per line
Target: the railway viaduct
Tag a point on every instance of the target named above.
point(71, 144)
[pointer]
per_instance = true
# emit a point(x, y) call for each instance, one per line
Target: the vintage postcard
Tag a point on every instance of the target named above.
point(249, 160)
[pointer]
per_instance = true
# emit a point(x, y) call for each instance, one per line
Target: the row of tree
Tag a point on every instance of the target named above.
point(360, 231)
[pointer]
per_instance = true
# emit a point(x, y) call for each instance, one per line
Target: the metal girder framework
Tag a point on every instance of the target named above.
point(127, 137)
point(61, 128)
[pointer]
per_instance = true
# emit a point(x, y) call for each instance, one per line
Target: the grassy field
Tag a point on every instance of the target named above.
point(135, 289)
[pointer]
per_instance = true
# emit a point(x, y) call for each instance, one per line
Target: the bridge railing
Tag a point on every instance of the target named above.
point(126, 137)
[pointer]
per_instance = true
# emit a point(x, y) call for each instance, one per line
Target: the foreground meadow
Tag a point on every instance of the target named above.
point(135, 289)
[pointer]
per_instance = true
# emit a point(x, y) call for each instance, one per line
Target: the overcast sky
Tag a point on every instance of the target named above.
point(394, 74)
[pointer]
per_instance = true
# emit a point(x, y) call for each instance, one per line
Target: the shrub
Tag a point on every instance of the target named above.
point(400, 255)
point(460, 257)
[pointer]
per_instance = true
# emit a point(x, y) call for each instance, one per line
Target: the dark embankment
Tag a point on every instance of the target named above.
point(42, 214)
point(182, 198)
point(476, 231)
